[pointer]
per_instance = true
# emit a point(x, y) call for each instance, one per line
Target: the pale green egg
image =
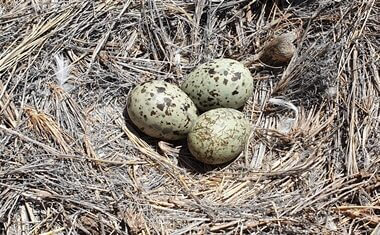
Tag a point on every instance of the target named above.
point(221, 83)
point(218, 136)
point(161, 110)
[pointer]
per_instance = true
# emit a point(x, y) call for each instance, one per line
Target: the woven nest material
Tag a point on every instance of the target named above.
point(70, 162)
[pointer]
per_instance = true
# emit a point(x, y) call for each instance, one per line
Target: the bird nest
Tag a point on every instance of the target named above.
point(71, 163)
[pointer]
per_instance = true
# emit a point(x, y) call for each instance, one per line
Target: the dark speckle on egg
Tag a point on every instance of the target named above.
point(161, 106)
point(168, 101)
point(236, 76)
point(161, 89)
point(214, 93)
point(186, 107)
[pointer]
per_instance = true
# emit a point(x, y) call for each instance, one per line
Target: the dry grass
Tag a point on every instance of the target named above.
point(71, 164)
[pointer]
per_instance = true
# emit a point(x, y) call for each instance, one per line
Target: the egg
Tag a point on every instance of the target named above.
point(221, 83)
point(218, 136)
point(161, 110)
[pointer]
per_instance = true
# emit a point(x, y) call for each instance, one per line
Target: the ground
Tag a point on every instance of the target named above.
point(71, 163)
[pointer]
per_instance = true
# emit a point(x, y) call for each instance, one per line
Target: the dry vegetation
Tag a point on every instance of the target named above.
point(71, 164)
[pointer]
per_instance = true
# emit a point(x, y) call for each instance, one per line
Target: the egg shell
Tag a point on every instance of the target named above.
point(218, 136)
point(221, 83)
point(161, 110)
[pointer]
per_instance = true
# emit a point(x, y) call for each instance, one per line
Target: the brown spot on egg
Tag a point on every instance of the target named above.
point(161, 106)
point(167, 101)
point(235, 92)
point(213, 93)
point(186, 107)
point(225, 81)
point(161, 89)
point(236, 76)
point(188, 121)
point(212, 71)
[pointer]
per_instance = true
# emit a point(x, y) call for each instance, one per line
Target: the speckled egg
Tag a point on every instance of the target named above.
point(161, 110)
point(218, 136)
point(221, 83)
